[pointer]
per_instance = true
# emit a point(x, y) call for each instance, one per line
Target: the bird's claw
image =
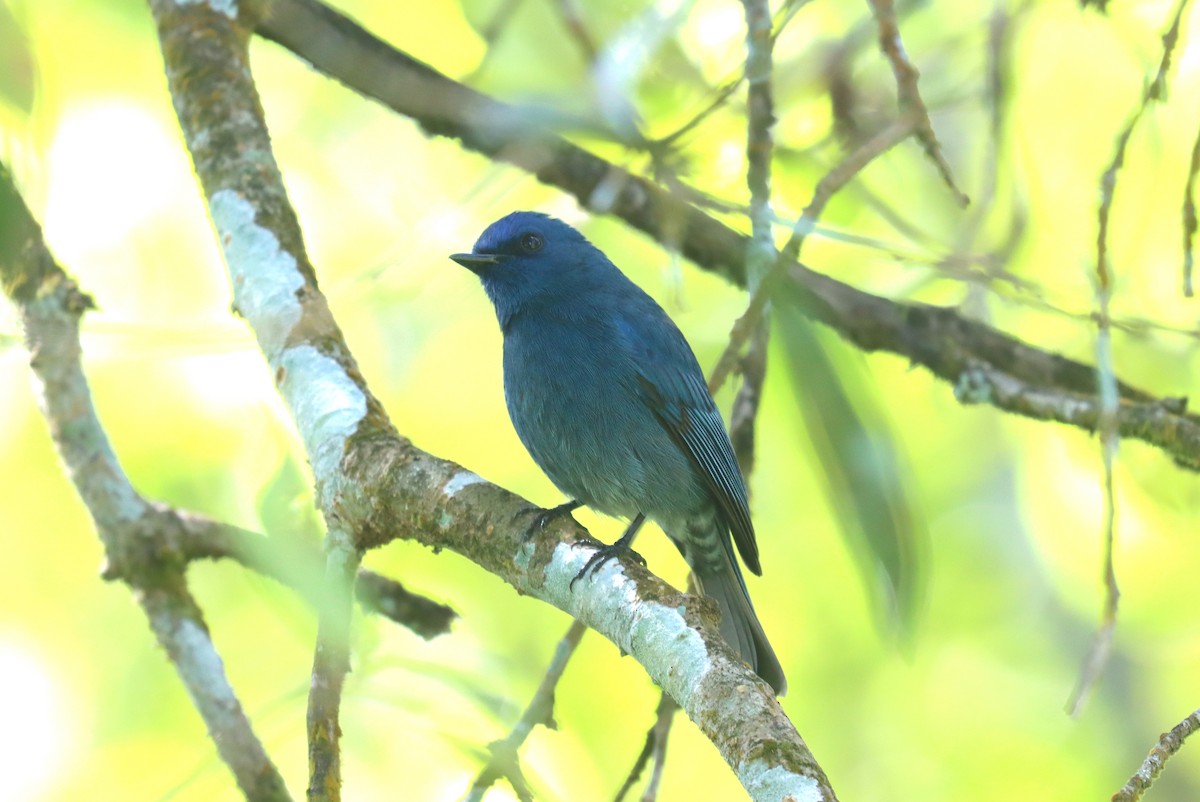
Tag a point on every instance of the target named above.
point(602, 555)
point(542, 517)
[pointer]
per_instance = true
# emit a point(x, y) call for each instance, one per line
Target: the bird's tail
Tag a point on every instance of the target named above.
point(722, 581)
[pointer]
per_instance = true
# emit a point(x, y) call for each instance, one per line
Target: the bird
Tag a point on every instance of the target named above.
point(610, 401)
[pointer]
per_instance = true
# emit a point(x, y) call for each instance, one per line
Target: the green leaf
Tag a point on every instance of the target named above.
point(864, 474)
point(16, 64)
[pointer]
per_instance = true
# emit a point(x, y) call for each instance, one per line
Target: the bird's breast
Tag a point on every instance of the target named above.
point(572, 395)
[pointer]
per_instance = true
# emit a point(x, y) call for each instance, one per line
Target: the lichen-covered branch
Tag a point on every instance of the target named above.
point(1168, 744)
point(373, 485)
point(951, 346)
point(204, 48)
point(142, 542)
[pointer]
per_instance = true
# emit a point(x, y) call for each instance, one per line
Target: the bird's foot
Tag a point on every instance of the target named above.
point(606, 553)
point(543, 517)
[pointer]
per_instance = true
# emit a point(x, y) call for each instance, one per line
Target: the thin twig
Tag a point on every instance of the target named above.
point(302, 570)
point(656, 747)
point(908, 93)
point(1189, 217)
point(722, 94)
point(1155, 91)
point(1168, 744)
point(572, 18)
point(504, 761)
point(1106, 379)
point(760, 251)
point(331, 663)
point(953, 347)
point(826, 188)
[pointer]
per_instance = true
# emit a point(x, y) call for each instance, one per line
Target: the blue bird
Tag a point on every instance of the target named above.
point(610, 401)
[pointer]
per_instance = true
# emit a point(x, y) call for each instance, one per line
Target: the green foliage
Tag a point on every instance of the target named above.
point(972, 709)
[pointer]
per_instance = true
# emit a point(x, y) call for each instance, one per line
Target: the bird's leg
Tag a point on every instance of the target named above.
point(544, 517)
point(606, 553)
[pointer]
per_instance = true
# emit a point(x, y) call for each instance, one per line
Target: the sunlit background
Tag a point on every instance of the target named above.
point(1004, 514)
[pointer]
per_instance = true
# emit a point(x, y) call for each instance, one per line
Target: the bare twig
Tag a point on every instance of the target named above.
point(826, 188)
point(760, 251)
point(142, 542)
point(1168, 744)
point(722, 94)
point(1155, 90)
point(504, 761)
point(387, 597)
point(569, 11)
point(908, 93)
point(656, 747)
point(302, 570)
point(374, 486)
point(1189, 217)
point(1034, 382)
point(504, 14)
point(1106, 378)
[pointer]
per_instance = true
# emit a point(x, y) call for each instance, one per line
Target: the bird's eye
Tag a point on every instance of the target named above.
point(531, 242)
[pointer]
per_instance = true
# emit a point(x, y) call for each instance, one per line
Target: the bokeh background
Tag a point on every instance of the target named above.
point(961, 700)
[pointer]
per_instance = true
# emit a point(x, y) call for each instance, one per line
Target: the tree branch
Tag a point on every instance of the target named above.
point(911, 104)
point(504, 761)
point(207, 63)
point(988, 365)
point(373, 485)
point(143, 543)
point(1168, 744)
point(760, 251)
point(302, 570)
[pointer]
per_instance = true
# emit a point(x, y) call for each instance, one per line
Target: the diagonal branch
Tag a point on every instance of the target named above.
point(504, 761)
point(984, 365)
point(655, 747)
point(302, 570)
point(374, 486)
point(142, 542)
point(912, 106)
point(207, 63)
point(1168, 744)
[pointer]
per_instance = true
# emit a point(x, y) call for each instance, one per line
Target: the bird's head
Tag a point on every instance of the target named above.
point(528, 257)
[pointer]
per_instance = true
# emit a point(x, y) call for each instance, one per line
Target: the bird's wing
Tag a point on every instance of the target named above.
point(673, 387)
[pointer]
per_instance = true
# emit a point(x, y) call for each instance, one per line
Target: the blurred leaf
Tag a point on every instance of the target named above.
point(285, 505)
point(865, 480)
point(16, 64)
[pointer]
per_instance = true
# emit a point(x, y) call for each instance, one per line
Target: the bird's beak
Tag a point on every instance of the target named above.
point(475, 262)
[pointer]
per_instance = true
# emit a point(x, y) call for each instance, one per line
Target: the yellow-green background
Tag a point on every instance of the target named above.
point(93, 709)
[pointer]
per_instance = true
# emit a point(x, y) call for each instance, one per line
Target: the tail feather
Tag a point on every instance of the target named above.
point(739, 625)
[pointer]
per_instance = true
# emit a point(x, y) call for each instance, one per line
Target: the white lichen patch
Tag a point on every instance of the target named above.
point(460, 480)
point(326, 404)
point(657, 635)
point(226, 7)
point(265, 277)
point(198, 661)
point(768, 783)
point(525, 554)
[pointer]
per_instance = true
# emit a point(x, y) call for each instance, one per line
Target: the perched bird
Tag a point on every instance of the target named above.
point(608, 397)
